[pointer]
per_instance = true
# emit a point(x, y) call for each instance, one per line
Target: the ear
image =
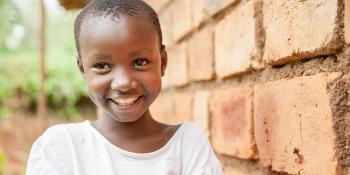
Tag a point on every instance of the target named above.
point(80, 65)
point(164, 59)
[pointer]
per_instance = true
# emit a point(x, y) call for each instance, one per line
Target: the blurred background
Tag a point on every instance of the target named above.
point(267, 80)
point(20, 76)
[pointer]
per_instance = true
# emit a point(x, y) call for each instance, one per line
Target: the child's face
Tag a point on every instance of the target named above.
point(122, 63)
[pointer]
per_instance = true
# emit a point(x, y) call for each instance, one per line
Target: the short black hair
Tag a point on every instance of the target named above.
point(113, 9)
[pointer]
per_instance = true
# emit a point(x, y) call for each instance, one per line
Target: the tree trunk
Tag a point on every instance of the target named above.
point(42, 101)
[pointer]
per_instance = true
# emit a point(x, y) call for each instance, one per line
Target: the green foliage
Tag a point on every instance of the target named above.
point(2, 161)
point(19, 69)
point(64, 86)
point(9, 16)
point(19, 72)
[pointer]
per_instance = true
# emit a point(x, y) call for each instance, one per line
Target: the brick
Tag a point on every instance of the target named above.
point(293, 125)
point(232, 122)
point(215, 6)
point(183, 103)
point(204, 9)
point(199, 12)
point(235, 41)
point(233, 171)
point(347, 21)
point(201, 55)
point(177, 70)
point(201, 109)
point(166, 82)
point(347, 171)
point(157, 5)
point(300, 29)
point(167, 27)
point(162, 108)
point(182, 18)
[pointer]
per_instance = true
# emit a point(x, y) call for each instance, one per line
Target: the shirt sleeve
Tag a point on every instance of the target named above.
point(198, 156)
point(50, 155)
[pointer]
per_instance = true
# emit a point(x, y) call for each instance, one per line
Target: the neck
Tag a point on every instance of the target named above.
point(142, 127)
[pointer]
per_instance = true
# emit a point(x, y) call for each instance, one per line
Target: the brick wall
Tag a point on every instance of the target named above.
point(268, 80)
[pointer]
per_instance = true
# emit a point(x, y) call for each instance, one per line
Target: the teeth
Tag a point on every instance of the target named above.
point(125, 101)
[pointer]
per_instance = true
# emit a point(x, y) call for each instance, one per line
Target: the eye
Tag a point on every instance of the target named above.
point(101, 67)
point(138, 63)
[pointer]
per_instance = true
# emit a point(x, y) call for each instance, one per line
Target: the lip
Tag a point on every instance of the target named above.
point(124, 96)
point(126, 108)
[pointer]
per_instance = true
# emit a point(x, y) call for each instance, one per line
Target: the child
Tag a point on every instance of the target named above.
point(121, 56)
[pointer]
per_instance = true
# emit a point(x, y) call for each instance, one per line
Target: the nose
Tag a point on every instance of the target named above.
point(123, 81)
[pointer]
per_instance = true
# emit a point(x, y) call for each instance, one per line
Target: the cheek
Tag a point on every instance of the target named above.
point(97, 85)
point(154, 84)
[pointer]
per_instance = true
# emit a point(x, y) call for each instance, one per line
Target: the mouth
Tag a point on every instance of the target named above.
point(125, 101)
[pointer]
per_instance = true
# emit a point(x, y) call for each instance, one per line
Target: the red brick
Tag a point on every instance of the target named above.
point(293, 125)
point(204, 9)
point(233, 171)
point(162, 108)
point(167, 27)
point(157, 5)
point(177, 70)
point(181, 18)
point(232, 122)
point(215, 6)
point(347, 21)
point(199, 12)
point(347, 171)
point(201, 55)
point(201, 109)
point(300, 29)
point(183, 103)
point(235, 41)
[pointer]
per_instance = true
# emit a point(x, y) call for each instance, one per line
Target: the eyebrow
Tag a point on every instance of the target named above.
point(137, 52)
point(97, 56)
point(102, 57)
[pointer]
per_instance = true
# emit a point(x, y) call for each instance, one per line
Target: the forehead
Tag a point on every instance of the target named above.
point(125, 31)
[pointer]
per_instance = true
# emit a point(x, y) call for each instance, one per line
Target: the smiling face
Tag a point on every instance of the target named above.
point(122, 63)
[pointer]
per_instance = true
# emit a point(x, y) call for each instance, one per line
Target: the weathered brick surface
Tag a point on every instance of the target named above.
point(201, 55)
point(232, 122)
point(177, 70)
point(199, 12)
point(235, 41)
point(204, 9)
point(162, 108)
point(166, 23)
point(298, 29)
point(201, 109)
point(214, 6)
point(157, 5)
point(182, 18)
point(293, 125)
point(232, 171)
point(183, 105)
point(347, 21)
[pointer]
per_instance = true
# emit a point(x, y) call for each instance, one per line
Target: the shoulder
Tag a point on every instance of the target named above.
point(192, 132)
point(56, 136)
point(193, 138)
point(197, 154)
point(52, 151)
point(60, 132)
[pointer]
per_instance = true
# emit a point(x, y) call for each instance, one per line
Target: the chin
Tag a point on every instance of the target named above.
point(125, 118)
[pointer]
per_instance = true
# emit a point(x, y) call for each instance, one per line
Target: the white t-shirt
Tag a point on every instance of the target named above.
point(79, 149)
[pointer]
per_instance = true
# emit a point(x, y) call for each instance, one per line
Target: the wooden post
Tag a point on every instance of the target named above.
point(42, 101)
